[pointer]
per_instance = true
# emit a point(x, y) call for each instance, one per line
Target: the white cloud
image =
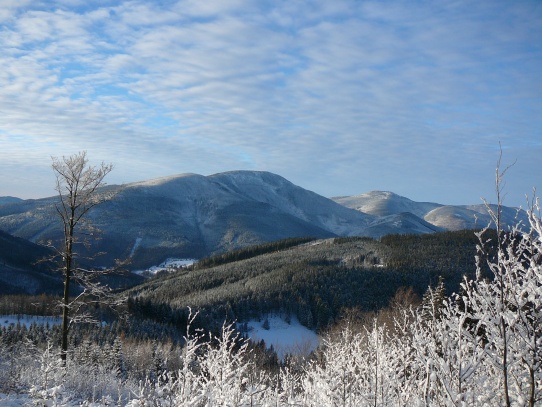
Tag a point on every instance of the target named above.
point(368, 93)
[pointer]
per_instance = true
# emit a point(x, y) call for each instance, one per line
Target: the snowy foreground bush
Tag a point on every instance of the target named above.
point(481, 347)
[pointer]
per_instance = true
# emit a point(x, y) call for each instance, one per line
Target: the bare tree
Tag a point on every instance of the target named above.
point(77, 184)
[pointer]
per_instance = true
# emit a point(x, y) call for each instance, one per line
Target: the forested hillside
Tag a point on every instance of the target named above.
point(29, 268)
point(22, 269)
point(315, 281)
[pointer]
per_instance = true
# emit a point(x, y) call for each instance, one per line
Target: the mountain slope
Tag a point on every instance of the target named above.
point(9, 199)
point(281, 193)
point(384, 203)
point(315, 281)
point(22, 270)
point(193, 216)
point(430, 215)
point(471, 216)
point(28, 268)
point(400, 223)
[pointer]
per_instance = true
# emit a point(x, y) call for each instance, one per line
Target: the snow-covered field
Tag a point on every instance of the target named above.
point(285, 337)
point(166, 265)
point(13, 400)
point(27, 320)
point(24, 400)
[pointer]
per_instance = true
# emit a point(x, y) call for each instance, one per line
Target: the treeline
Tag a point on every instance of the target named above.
point(315, 281)
point(251, 251)
point(29, 305)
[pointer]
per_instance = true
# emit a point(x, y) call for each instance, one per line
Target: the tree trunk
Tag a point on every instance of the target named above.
point(66, 299)
point(65, 317)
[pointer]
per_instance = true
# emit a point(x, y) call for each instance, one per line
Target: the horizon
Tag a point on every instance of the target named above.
point(168, 177)
point(340, 98)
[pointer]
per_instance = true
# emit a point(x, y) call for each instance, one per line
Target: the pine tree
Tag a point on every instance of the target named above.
point(433, 302)
point(119, 361)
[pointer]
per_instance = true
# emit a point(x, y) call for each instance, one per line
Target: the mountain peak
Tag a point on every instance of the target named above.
point(381, 195)
point(384, 203)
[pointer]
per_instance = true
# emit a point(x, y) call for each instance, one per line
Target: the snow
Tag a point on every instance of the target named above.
point(136, 245)
point(382, 203)
point(292, 338)
point(160, 180)
point(27, 320)
point(167, 265)
point(12, 400)
point(25, 400)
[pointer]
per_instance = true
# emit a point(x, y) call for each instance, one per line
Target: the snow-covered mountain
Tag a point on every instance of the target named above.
point(400, 223)
point(429, 214)
point(384, 203)
point(192, 216)
point(472, 216)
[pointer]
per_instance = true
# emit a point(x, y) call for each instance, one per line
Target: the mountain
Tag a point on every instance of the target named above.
point(27, 268)
point(429, 215)
point(21, 269)
point(472, 216)
point(383, 203)
point(8, 199)
point(192, 216)
point(400, 223)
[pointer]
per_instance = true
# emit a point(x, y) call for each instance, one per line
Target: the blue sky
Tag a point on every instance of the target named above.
point(340, 97)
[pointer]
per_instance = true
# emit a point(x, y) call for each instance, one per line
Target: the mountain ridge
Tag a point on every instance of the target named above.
point(193, 216)
point(441, 216)
point(190, 215)
point(9, 199)
point(382, 203)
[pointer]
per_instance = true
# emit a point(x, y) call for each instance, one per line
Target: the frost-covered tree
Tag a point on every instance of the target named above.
point(183, 387)
point(433, 302)
point(447, 357)
point(334, 378)
point(77, 184)
point(403, 362)
point(377, 369)
point(225, 371)
point(508, 307)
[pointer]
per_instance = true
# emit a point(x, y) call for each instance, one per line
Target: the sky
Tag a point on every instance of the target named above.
point(340, 97)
